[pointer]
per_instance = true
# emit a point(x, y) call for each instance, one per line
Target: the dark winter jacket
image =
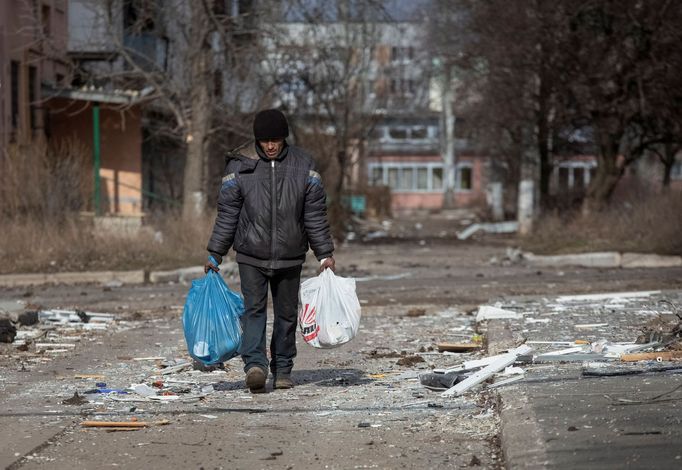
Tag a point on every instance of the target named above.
point(270, 211)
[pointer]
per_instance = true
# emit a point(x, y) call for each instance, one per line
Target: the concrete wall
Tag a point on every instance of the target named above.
point(121, 149)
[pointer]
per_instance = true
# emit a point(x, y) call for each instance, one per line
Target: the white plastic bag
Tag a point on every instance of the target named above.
point(329, 315)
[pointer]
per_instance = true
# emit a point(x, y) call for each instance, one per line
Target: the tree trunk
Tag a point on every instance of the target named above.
point(198, 131)
point(668, 162)
point(608, 172)
point(542, 120)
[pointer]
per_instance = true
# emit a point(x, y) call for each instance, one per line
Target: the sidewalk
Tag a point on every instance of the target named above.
point(558, 418)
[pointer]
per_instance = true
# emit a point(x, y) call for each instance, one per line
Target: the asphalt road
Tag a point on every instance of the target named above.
point(353, 407)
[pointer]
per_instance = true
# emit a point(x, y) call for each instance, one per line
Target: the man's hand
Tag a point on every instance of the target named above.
point(328, 263)
point(210, 266)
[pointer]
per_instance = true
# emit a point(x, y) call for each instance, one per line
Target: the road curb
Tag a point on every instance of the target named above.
point(605, 259)
point(139, 276)
point(518, 425)
point(71, 278)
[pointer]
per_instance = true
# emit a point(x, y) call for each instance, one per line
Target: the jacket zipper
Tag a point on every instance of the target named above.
point(273, 224)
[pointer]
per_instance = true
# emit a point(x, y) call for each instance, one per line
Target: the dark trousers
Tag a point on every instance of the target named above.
point(284, 284)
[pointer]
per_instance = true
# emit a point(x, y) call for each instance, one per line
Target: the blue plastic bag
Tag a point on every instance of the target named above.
point(211, 319)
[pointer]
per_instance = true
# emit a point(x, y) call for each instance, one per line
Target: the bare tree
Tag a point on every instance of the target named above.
point(547, 67)
point(324, 67)
point(198, 57)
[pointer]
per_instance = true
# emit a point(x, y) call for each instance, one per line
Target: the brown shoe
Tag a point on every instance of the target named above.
point(283, 383)
point(255, 380)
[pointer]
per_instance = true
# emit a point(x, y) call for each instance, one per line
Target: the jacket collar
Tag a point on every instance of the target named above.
point(282, 155)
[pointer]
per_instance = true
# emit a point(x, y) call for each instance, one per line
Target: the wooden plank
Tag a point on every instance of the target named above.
point(654, 356)
point(122, 424)
point(458, 347)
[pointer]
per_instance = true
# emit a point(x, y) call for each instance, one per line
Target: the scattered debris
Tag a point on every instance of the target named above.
point(458, 347)
point(76, 399)
point(410, 360)
point(498, 364)
point(499, 227)
point(416, 312)
point(28, 318)
point(487, 312)
point(653, 356)
point(7, 331)
point(123, 424)
point(590, 326)
point(441, 382)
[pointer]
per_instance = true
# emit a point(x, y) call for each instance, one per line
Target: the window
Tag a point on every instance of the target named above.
point(14, 71)
point(33, 95)
point(399, 133)
point(393, 178)
point(377, 176)
point(403, 86)
point(399, 54)
point(407, 179)
point(437, 182)
point(419, 133)
point(579, 178)
point(422, 179)
point(464, 178)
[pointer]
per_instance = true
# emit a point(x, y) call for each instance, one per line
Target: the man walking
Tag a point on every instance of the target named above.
point(271, 208)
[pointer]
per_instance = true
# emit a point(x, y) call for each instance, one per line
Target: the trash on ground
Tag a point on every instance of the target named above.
point(123, 424)
point(498, 364)
point(458, 347)
point(488, 312)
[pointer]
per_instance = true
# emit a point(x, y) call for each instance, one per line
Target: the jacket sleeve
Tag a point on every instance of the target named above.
point(229, 207)
point(315, 217)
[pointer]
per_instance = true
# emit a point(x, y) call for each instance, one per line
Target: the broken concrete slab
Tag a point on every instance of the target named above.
point(606, 296)
point(499, 227)
point(497, 365)
point(643, 260)
point(488, 312)
point(605, 259)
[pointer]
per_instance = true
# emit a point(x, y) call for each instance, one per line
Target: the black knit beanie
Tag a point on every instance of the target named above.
point(270, 124)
